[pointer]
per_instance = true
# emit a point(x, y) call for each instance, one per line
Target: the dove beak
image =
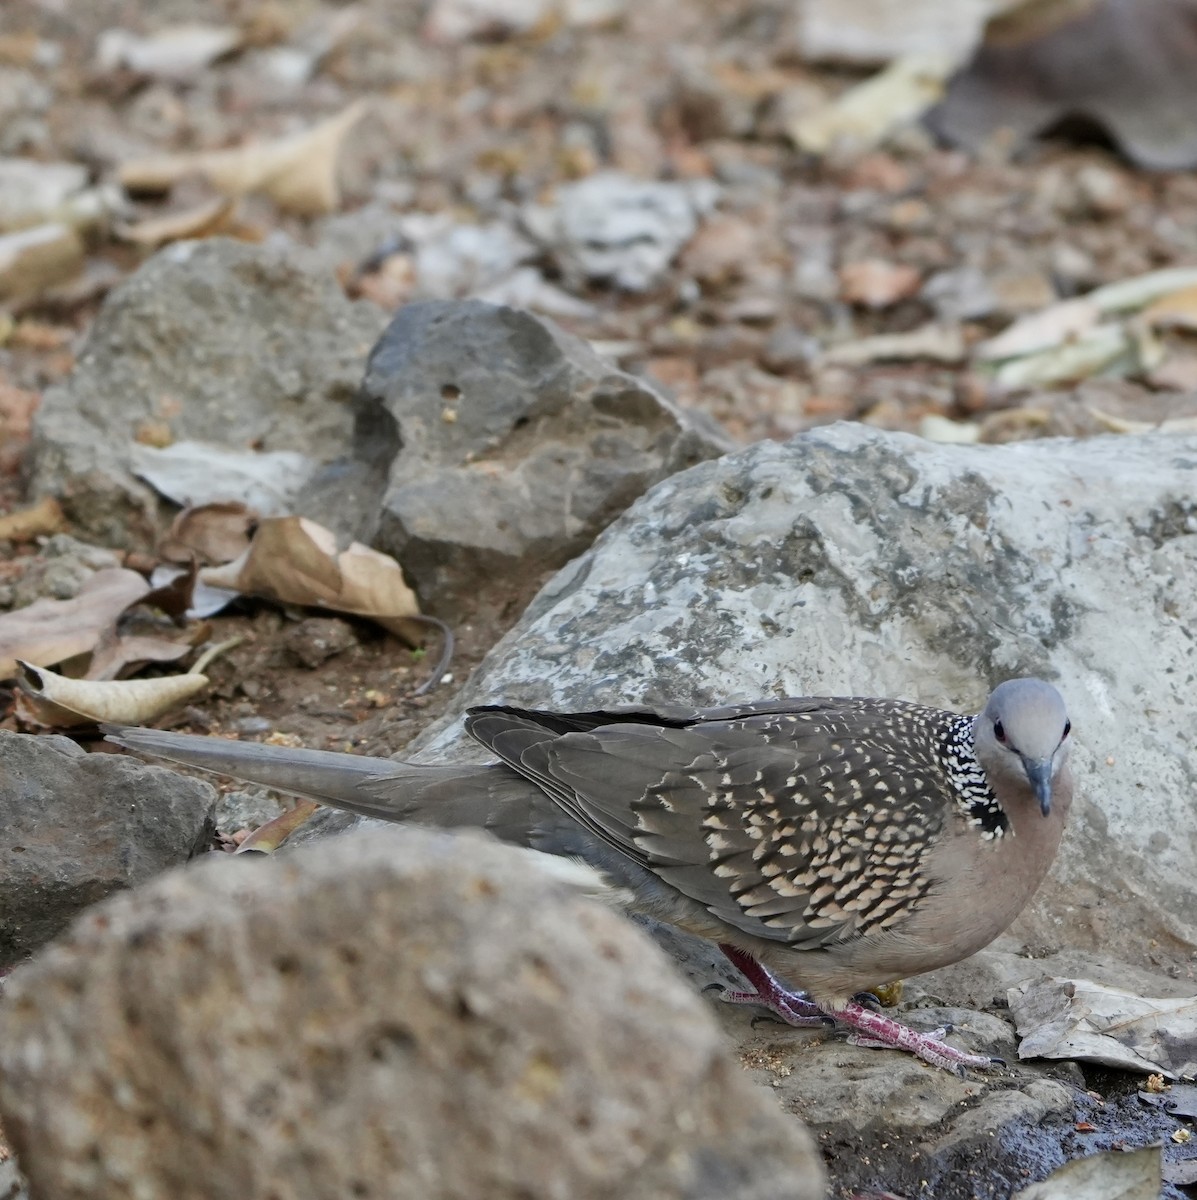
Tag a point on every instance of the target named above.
point(1039, 775)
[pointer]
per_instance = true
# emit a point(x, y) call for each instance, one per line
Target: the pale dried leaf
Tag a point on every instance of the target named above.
point(1107, 349)
point(292, 560)
point(1177, 310)
point(117, 652)
point(177, 52)
point(210, 533)
point(299, 173)
point(40, 519)
point(200, 221)
point(51, 631)
point(33, 260)
point(195, 473)
point(57, 701)
point(865, 115)
point(935, 343)
point(1044, 330)
point(1129, 294)
point(267, 838)
point(152, 629)
point(1109, 1175)
point(1079, 1019)
point(1116, 424)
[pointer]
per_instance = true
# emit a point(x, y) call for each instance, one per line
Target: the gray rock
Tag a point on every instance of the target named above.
point(218, 341)
point(250, 808)
point(617, 229)
point(508, 444)
point(75, 827)
point(62, 566)
point(420, 1016)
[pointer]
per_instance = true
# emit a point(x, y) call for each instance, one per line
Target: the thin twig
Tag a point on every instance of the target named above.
point(214, 652)
point(448, 644)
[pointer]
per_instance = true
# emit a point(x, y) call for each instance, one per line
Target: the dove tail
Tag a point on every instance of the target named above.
point(488, 797)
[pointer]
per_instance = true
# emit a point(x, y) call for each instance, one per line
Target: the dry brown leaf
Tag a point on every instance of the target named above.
point(44, 517)
point(173, 597)
point(212, 533)
point(34, 260)
point(116, 652)
point(1044, 330)
point(152, 629)
point(1175, 311)
point(299, 173)
point(267, 838)
point(203, 220)
point(295, 561)
point(54, 700)
point(51, 631)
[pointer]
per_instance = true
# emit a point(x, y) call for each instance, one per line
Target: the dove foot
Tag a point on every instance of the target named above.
point(868, 1026)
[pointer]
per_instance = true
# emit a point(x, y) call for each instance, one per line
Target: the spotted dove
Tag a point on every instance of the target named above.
point(835, 843)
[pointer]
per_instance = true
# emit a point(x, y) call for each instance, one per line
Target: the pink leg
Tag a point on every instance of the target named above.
point(869, 1028)
point(876, 1029)
point(792, 1007)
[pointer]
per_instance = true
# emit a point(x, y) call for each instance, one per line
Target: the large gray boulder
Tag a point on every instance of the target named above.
point(75, 827)
point(417, 1017)
point(216, 341)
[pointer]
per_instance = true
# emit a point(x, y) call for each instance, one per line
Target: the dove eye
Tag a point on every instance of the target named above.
point(999, 732)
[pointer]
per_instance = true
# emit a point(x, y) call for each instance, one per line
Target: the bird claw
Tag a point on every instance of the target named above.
point(868, 1000)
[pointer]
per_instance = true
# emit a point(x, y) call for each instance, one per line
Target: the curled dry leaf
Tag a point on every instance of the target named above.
point(299, 173)
point(177, 52)
point(866, 114)
point(38, 520)
point(195, 473)
point(211, 533)
point(33, 260)
point(267, 838)
point(295, 561)
point(200, 221)
point(152, 629)
point(1079, 1019)
point(55, 700)
point(51, 631)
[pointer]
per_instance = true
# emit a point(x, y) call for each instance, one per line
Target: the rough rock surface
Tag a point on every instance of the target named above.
point(419, 1015)
point(508, 444)
point(75, 827)
point(218, 341)
point(855, 561)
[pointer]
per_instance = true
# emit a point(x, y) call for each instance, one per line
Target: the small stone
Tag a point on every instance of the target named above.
point(1019, 292)
point(875, 283)
point(721, 250)
point(789, 350)
point(1104, 191)
point(75, 827)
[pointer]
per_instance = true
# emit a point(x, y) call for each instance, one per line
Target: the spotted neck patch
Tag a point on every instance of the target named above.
point(975, 799)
